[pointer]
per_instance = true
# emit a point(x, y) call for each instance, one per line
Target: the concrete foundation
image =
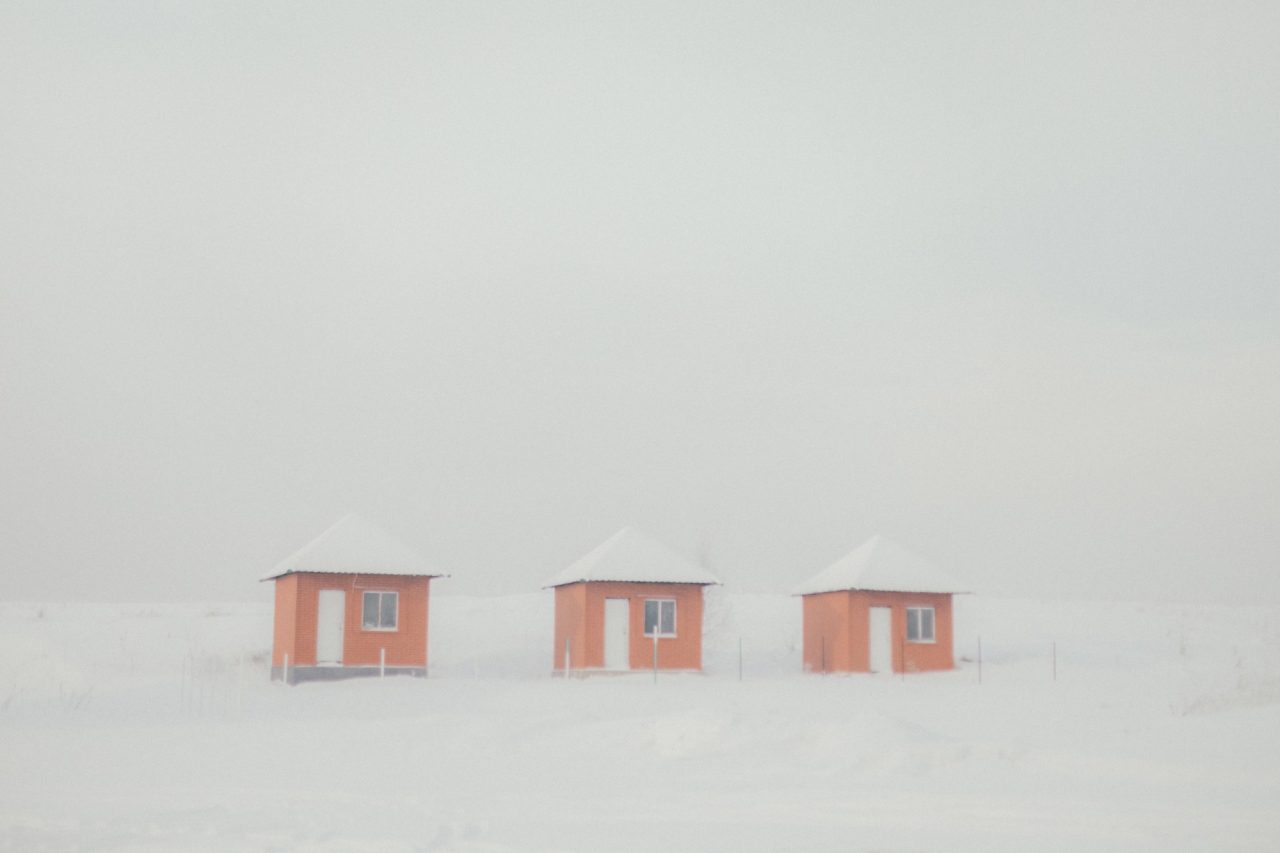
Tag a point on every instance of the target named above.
point(299, 674)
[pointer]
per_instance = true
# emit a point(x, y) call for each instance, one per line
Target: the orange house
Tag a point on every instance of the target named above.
point(352, 602)
point(879, 609)
point(626, 603)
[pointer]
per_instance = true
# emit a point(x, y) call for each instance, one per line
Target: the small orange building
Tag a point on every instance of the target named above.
point(352, 602)
point(623, 598)
point(879, 609)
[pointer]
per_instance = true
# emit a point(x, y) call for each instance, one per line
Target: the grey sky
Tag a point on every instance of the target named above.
point(997, 280)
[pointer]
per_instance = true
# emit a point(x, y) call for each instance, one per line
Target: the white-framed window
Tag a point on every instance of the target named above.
point(660, 617)
point(380, 611)
point(920, 625)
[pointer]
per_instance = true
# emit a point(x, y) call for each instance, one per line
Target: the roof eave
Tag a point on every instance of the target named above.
point(346, 572)
point(894, 591)
point(606, 580)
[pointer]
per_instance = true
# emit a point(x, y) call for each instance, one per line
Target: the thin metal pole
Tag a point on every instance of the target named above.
point(382, 663)
point(286, 668)
point(566, 657)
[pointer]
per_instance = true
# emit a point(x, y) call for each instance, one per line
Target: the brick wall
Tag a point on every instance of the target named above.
point(297, 599)
point(827, 647)
point(580, 620)
point(841, 620)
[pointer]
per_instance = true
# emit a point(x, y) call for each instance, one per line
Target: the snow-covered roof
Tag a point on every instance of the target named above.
point(629, 555)
point(884, 566)
point(355, 546)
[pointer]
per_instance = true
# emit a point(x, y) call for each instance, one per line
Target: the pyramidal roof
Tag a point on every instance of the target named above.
point(629, 555)
point(355, 546)
point(883, 566)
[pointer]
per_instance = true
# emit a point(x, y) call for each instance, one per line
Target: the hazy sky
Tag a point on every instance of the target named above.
point(996, 280)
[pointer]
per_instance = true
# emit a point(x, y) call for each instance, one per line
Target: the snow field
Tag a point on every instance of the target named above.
point(153, 727)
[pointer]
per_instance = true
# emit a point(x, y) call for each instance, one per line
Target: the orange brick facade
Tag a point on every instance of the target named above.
point(296, 600)
point(580, 625)
point(837, 631)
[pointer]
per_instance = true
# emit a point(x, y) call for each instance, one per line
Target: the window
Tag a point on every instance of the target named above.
point(380, 611)
point(660, 614)
point(919, 624)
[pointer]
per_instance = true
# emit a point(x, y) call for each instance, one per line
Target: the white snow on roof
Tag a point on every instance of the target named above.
point(629, 555)
point(353, 545)
point(884, 566)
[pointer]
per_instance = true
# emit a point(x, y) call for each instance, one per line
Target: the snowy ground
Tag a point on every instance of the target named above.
point(153, 727)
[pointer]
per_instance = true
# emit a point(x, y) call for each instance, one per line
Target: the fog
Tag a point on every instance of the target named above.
point(996, 280)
